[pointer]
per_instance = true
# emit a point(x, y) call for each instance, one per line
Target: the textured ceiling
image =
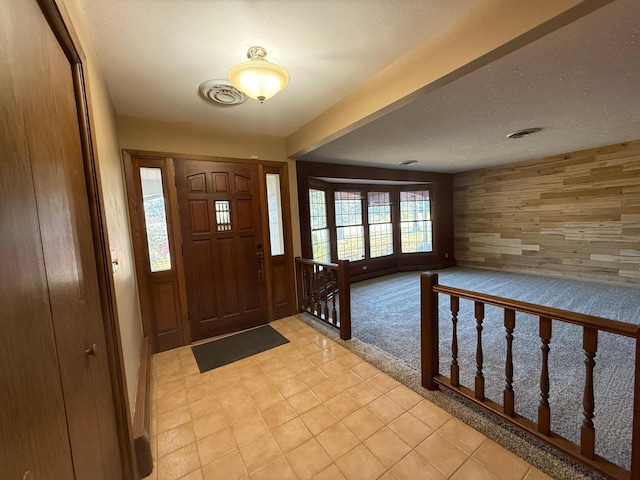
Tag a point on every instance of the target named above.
point(155, 54)
point(579, 83)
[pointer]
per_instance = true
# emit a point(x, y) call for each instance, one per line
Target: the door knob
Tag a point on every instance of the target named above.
point(92, 350)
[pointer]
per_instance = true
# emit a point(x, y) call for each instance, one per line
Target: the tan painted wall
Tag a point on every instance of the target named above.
point(156, 136)
point(575, 215)
point(112, 179)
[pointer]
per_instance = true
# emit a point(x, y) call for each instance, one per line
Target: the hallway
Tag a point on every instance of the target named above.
point(308, 409)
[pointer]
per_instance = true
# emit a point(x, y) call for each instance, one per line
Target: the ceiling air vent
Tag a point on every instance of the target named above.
point(221, 92)
point(524, 132)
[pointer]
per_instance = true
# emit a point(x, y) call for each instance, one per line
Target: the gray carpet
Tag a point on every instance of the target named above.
point(386, 315)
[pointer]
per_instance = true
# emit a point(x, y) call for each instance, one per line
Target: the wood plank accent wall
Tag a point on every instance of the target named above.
point(575, 215)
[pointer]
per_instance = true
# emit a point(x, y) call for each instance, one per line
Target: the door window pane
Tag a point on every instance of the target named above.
point(155, 218)
point(223, 215)
point(274, 206)
point(415, 222)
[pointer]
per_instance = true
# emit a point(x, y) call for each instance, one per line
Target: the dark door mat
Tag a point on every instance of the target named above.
point(236, 347)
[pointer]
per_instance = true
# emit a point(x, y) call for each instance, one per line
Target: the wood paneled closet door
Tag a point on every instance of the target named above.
point(57, 414)
point(223, 246)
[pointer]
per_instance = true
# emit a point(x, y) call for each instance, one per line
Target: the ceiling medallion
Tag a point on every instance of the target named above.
point(221, 92)
point(257, 77)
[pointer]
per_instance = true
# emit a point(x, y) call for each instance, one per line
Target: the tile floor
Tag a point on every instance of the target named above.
point(309, 409)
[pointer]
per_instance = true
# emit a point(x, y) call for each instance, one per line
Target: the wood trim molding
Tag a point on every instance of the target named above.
point(142, 415)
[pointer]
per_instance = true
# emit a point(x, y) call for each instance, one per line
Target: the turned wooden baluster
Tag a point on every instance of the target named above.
point(544, 412)
point(334, 293)
point(479, 390)
point(587, 432)
point(455, 368)
point(509, 325)
point(316, 292)
point(307, 286)
point(325, 294)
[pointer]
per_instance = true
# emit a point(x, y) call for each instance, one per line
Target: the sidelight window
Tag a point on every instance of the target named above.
point(415, 222)
point(155, 218)
point(274, 209)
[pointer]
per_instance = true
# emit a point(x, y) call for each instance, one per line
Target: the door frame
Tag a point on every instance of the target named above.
point(62, 27)
point(131, 158)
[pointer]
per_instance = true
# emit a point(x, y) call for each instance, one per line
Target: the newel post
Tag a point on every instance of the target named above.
point(429, 330)
point(344, 289)
point(635, 435)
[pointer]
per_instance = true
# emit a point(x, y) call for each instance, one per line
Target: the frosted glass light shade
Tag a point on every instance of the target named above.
point(258, 78)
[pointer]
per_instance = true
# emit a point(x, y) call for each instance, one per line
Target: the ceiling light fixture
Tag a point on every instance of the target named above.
point(257, 77)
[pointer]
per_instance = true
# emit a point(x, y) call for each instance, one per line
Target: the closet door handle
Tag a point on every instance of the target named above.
point(91, 351)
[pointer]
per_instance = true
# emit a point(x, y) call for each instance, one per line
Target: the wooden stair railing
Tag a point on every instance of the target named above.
point(324, 291)
point(432, 378)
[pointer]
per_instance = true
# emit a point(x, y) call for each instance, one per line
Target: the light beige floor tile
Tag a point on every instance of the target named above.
point(197, 379)
point(319, 358)
point(170, 388)
point(195, 475)
point(281, 374)
point(332, 367)
point(190, 369)
point(326, 390)
point(318, 419)
point(233, 394)
point(260, 452)
point(291, 434)
point(414, 466)
point(238, 411)
point(461, 435)
point(210, 423)
point(179, 463)
point(405, 397)
point(347, 379)
point(271, 364)
point(387, 447)
point(385, 409)
point(251, 370)
point(337, 440)
point(229, 467)
point(204, 406)
point(201, 390)
point(535, 474)
point(342, 405)
point(277, 414)
point(472, 469)
point(267, 397)
point(363, 393)
point(277, 470)
point(330, 473)
point(430, 414)
point(360, 464)
point(410, 429)
point(174, 439)
point(256, 384)
point(170, 402)
point(349, 360)
point(301, 365)
point(365, 370)
point(303, 401)
point(216, 445)
point(336, 351)
point(442, 454)
point(383, 382)
point(502, 463)
point(248, 428)
point(308, 459)
point(171, 419)
point(312, 377)
point(362, 424)
point(291, 386)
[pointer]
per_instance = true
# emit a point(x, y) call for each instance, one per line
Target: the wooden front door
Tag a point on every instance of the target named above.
point(223, 246)
point(57, 418)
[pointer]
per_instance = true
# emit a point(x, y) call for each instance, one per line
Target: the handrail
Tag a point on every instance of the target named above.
point(432, 379)
point(323, 290)
point(583, 320)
